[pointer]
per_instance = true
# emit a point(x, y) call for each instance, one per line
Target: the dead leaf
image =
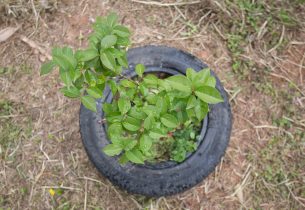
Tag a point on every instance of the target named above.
point(7, 33)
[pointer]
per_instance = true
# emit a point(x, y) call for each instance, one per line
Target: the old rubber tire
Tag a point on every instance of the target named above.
point(167, 178)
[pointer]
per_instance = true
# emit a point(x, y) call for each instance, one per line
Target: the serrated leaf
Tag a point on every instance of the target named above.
point(156, 133)
point(123, 159)
point(115, 129)
point(121, 31)
point(112, 19)
point(148, 122)
point(145, 143)
point(87, 55)
point(129, 144)
point(131, 124)
point(108, 41)
point(77, 74)
point(95, 92)
point(136, 113)
point(180, 82)
point(201, 110)
point(169, 121)
point(65, 77)
point(161, 105)
point(123, 41)
point(201, 78)
point(108, 60)
point(124, 105)
point(143, 89)
point(113, 86)
point(112, 149)
point(209, 95)
point(47, 67)
point(211, 81)
point(135, 156)
point(89, 103)
point(151, 79)
point(127, 83)
point(140, 68)
point(191, 74)
point(191, 102)
point(71, 92)
point(64, 58)
point(107, 108)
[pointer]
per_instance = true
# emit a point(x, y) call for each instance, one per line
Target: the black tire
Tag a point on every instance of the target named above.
point(166, 178)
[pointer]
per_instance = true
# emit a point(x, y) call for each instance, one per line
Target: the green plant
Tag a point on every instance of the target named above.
point(150, 118)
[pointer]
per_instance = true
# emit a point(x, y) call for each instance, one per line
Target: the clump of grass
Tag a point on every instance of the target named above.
point(255, 26)
point(278, 177)
point(11, 132)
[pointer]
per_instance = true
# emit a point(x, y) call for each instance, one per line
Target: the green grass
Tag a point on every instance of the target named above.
point(11, 132)
point(257, 25)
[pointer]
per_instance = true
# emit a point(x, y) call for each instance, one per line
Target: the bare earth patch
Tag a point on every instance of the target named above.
point(43, 164)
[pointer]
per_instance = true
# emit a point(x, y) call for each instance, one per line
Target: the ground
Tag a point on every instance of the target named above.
point(260, 60)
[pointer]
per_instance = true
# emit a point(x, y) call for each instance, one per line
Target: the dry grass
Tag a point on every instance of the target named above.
point(43, 164)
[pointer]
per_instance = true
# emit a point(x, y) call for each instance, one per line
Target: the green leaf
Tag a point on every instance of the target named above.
point(108, 108)
point(112, 19)
point(95, 92)
point(131, 124)
point(209, 95)
point(71, 92)
point(191, 102)
point(156, 133)
point(181, 83)
point(115, 129)
point(129, 144)
point(211, 81)
point(140, 68)
point(121, 31)
point(143, 89)
point(123, 159)
point(148, 122)
point(201, 78)
point(108, 41)
point(47, 67)
point(136, 113)
point(89, 103)
point(87, 55)
point(123, 41)
point(64, 58)
point(112, 149)
point(145, 143)
point(113, 87)
point(191, 74)
point(162, 105)
point(151, 79)
point(201, 110)
point(65, 77)
point(169, 121)
point(127, 83)
point(124, 105)
point(135, 156)
point(108, 60)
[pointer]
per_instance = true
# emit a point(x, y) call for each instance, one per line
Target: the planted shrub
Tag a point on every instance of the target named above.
point(152, 117)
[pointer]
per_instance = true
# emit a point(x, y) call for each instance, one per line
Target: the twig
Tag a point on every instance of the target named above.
point(280, 41)
point(32, 44)
point(61, 187)
point(288, 80)
point(166, 4)
point(85, 202)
